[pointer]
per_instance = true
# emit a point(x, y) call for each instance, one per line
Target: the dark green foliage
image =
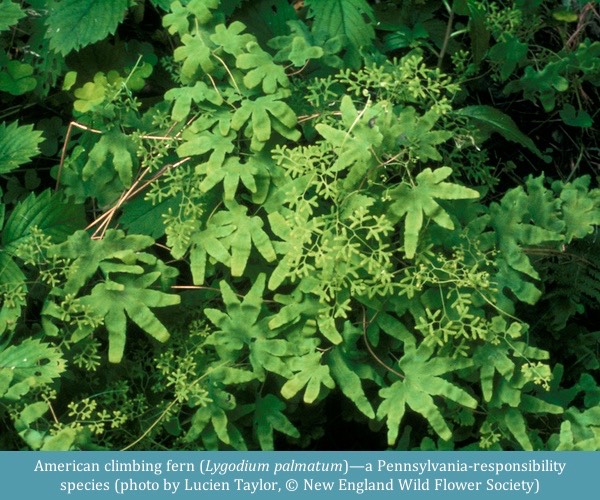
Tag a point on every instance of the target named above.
point(234, 225)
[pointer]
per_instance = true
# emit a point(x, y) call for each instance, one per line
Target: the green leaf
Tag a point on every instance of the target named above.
point(575, 118)
point(202, 143)
point(493, 120)
point(13, 292)
point(32, 364)
point(231, 174)
point(421, 381)
point(231, 38)
point(269, 417)
point(266, 19)
point(354, 145)
point(142, 216)
point(247, 231)
point(264, 114)
point(18, 144)
point(542, 84)
point(270, 355)
point(480, 36)
point(207, 243)
point(518, 427)
point(262, 69)
point(61, 441)
point(352, 19)
point(414, 201)
point(47, 212)
point(201, 9)
point(580, 208)
point(513, 231)
point(299, 47)
point(348, 370)
point(88, 254)
point(129, 296)
point(184, 96)
point(16, 78)
point(216, 414)
point(73, 24)
point(196, 56)
point(10, 14)
point(238, 325)
point(310, 372)
point(492, 358)
point(116, 149)
point(418, 135)
point(507, 54)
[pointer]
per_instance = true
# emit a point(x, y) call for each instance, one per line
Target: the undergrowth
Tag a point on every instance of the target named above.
point(232, 225)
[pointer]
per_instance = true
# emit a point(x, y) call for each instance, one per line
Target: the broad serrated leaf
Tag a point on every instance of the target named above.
point(269, 417)
point(10, 13)
point(494, 120)
point(47, 212)
point(414, 201)
point(129, 296)
point(14, 292)
point(18, 144)
point(73, 24)
point(352, 19)
point(265, 19)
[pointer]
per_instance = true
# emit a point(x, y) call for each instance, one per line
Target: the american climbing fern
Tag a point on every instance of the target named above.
point(236, 229)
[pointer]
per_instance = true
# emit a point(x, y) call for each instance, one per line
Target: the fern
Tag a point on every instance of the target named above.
point(260, 215)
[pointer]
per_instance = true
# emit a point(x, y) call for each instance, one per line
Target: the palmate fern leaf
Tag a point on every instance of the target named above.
point(422, 380)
